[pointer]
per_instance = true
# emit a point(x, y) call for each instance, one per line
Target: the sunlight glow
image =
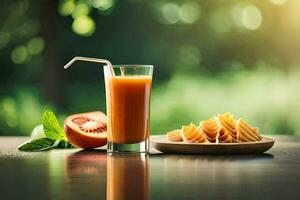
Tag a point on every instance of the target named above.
point(35, 46)
point(102, 4)
point(251, 17)
point(189, 12)
point(81, 9)
point(19, 55)
point(236, 14)
point(278, 2)
point(247, 16)
point(170, 12)
point(10, 111)
point(66, 7)
point(84, 25)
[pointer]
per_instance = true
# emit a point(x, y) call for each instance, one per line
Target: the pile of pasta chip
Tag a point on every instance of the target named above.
point(222, 128)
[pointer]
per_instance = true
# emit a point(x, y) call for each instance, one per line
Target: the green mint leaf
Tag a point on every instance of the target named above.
point(38, 144)
point(51, 126)
point(63, 144)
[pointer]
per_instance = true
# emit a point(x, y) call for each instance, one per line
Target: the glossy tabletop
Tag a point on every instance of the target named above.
point(81, 174)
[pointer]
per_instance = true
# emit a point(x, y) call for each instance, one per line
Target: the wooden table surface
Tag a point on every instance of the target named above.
point(84, 175)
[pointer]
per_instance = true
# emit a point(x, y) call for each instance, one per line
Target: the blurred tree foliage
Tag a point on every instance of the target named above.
point(209, 56)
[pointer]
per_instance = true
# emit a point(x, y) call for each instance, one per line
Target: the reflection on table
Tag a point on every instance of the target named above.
point(176, 176)
point(85, 171)
point(82, 174)
point(127, 177)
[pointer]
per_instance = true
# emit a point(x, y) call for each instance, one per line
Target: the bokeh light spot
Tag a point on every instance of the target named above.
point(236, 14)
point(170, 12)
point(84, 25)
point(102, 4)
point(189, 12)
point(251, 17)
point(35, 45)
point(67, 7)
point(9, 107)
point(278, 2)
point(19, 55)
point(246, 16)
point(81, 9)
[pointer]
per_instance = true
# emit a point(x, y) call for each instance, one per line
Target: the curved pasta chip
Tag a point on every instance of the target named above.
point(191, 133)
point(211, 128)
point(246, 133)
point(175, 136)
point(221, 129)
point(224, 136)
point(228, 123)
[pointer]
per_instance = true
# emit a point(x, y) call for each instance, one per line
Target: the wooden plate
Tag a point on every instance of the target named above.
point(161, 143)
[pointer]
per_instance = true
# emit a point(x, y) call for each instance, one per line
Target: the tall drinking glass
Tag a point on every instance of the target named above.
point(128, 91)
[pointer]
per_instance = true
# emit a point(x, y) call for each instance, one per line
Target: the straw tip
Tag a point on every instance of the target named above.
point(66, 67)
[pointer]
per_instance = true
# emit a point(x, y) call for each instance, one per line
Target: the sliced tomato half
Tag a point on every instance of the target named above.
point(87, 130)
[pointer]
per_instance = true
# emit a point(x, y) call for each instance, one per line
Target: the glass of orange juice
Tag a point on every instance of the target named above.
point(128, 91)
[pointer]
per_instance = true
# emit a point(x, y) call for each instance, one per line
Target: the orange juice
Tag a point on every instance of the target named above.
point(128, 104)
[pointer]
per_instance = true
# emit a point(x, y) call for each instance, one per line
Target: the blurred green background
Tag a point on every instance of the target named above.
point(210, 56)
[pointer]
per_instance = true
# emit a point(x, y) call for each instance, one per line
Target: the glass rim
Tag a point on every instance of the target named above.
point(133, 66)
